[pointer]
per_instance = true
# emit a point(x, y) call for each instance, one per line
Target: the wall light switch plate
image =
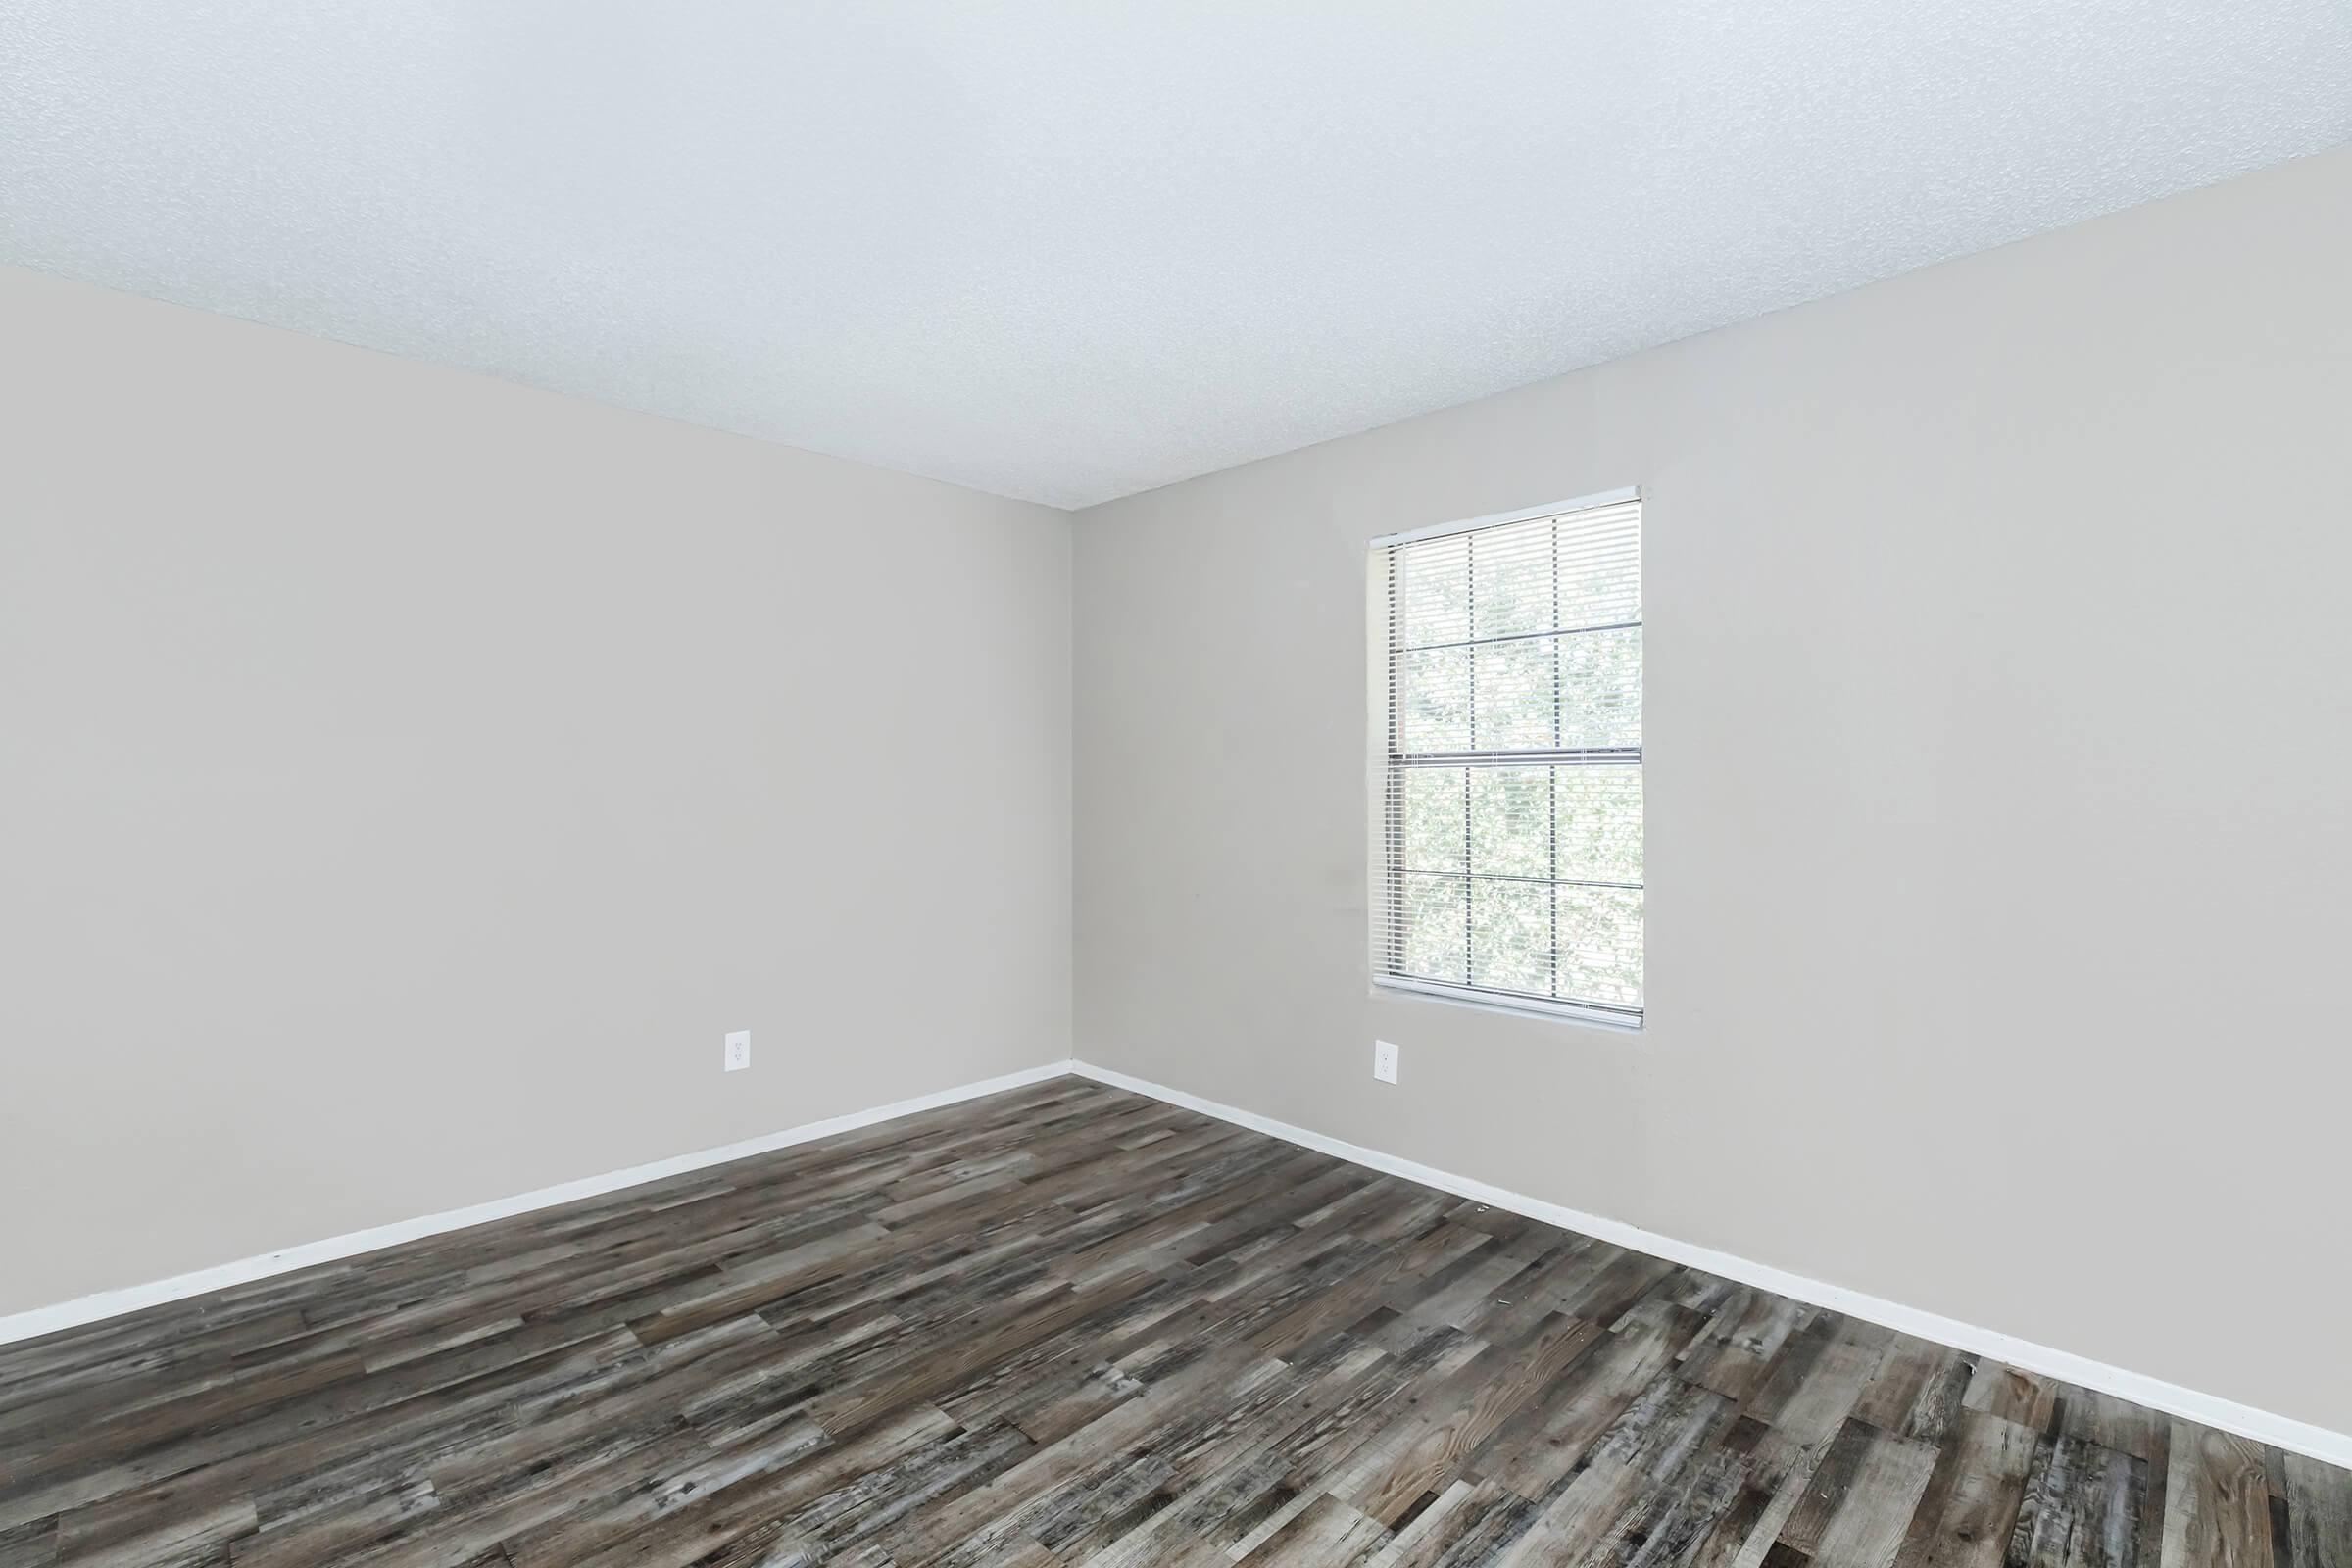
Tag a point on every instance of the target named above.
point(739, 1050)
point(1384, 1061)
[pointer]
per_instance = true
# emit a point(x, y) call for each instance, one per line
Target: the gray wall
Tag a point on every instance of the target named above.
point(1999, 766)
point(405, 779)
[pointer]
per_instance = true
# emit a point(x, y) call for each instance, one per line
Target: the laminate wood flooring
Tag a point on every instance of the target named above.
point(1069, 1325)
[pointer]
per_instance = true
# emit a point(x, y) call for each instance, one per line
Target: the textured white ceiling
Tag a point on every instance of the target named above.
point(1070, 249)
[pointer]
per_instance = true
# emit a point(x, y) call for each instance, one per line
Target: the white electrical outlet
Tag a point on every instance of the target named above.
point(739, 1050)
point(1384, 1061)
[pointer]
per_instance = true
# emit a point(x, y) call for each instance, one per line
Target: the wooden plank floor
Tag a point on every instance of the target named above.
point(1067, 1325)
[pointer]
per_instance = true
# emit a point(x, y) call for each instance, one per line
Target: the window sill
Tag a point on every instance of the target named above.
point(1609, 1018)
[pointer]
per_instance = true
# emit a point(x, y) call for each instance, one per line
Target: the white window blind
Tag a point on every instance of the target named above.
point(1511, 790)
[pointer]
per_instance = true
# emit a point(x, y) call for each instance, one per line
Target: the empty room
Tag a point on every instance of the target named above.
point(869, 784)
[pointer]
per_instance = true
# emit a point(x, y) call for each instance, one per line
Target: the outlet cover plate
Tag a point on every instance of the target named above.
point(1384, 1061)
point(739, 1049)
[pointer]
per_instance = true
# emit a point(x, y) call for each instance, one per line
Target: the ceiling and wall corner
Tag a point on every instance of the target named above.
point(1067, 251)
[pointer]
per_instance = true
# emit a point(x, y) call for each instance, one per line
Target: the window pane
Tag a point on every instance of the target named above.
point(1600, 688)
point(1510, 822)
point(1510, 579)
point(1510, 936)
point(1600, 573)
point(1514, 696)
point(1601, 945)
point(1434, 694)
point(1433, 916)
point(1433, 592)
point(1600, 815)
point(1433, 819)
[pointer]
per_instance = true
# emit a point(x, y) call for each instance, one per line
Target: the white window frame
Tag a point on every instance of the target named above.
point(1384, 869)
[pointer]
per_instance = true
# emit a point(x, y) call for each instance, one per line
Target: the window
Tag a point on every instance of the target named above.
point(1510, 815)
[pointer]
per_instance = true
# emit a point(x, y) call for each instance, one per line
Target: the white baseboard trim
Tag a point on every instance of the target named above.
point(2334, 1448)
point(42, 1320)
